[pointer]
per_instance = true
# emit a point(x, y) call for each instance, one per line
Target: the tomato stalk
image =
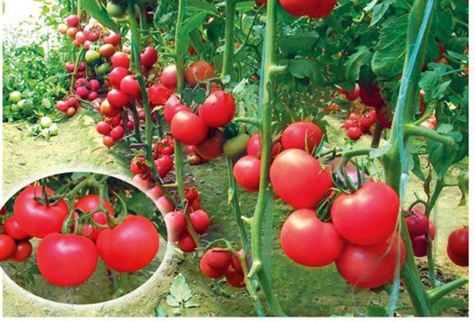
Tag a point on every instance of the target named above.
point(229, 13)
point(136, 118)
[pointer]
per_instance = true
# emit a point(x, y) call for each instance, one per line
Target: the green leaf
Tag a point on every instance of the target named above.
point(202, 6)
point(390, 51)
point(95, 9)
point(447, 303)
point(173, 302)
point(140, 204)
point(379, 10)
point(199, 95)
point(433, 86)
point(160, 312)
point(186, 28)
point(295, 44)
point(444, 128)
point(301, 68)
point(376, 311)
point(415, 167)
point(441, 155)
point(356, 61)
point(187, 96)
point(180, 289)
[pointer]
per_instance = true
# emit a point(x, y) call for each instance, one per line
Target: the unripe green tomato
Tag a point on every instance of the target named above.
point(14, 97)
point(235, 147)
point(14, 108)
point(103, 69)
point(92, 57)
point(54, 129)
point(115, 9)
point(46, 122)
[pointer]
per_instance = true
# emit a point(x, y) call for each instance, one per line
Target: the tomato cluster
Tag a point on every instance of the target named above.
point(420, 229)
point(356, 124)
point(72, 242)
point(217, 263)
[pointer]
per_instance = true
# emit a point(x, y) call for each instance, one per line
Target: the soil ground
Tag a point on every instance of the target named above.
point(302, 291)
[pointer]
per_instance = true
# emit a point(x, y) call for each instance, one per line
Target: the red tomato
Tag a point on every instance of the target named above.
point(113, 39)
point(384, 115)
point(117, 99)
point(36, 219)
point(117, 133)
point(198, 71)
point(236, 264)
point(108, 141)
point(216, 259)
point(351, 96)
point(371, 266)
point(367, 119)
point(158, 94)
point(302, 135)
point(149, 57)
point(186, 244)
point(254, 147)
point(142, 182)
point(218, 109)
point(106, 50)
point(138, 166)
point(308, 241)
point(209, 271)
point(176, 225)
point(200, 221)
point(212, 146)
point(90, 203)
point(188, 128)
point(354, 133)
point(247, 172)
point(7, 247)
point(130, 86)
point(66, 259)
point(168, 77)
point(107, 110)
point(154, 193)
point(72, 20)
point(116, 76)
point(164, 205)
point(372, 96)
point(14, 230)
point(130, 246)
point(367, 216)
point(299, 179)
point(349, 124)
point(120, 59)
point(457, 247)
point(417, 224)
point(164, 164)
point(311, 8)
point(234, 278)
point(166, 146)
point(22, 252)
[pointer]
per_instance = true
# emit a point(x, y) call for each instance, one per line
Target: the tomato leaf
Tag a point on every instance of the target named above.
point(432, 83)
point(202, 6)
point(379, 9)
point(356, 61)
point(160, 312)
point(140, 204)
point(190, 24)
point(180, 293)
point(376, 311)
point(415, 167)
point(95, 9)
point(390, 51)
point(294, 44)
point(443, 156)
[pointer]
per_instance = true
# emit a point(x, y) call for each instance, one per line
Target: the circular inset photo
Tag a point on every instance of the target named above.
point(81, 238)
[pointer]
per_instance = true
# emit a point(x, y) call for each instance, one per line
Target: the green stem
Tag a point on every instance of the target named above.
point(229, 12)
point(414, 130)
point(179, 57)
point(135, 116)
point(438, 293)
point(249, 120)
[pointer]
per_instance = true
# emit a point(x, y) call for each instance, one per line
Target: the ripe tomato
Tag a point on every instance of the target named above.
point(108, 141)
point(299, 179)
point(217, 260)
point(371, 266)
point(36, 219)
point(457, 247)
point(212, 146)
point(66, 259)
point(130, 246)
point(117, 133)
point(116, 76)
point(234, 278)
point(7, 247)
point(107, 110)
point(209, 271)
point(154, 193)
point(106, 50)
point(112, 39)
point(138, 166)
point(164, 164)
point(164, 205)
point(254, 147)
point(302, 135)
point(367, 216)
point(247, 172)
point(120, 59)
point(117, 99)
point(22, 252)
point(130, 86)
point(14, 230)
point(200, 221)
point(90, 203)
point(308, 241)
point(372, 96)
point(417, 224)
point(176, 225)
point(166, 146)
point(186, 244)
point(311, 8)
point(168, 77)
point(236, 264)
point(354, 133)
point(158, 94)
point(349, 124)
point(188, 128)
point(149, 57)
point(367, 119)
point(198, 71)
point(218, 109)
point(142, 182)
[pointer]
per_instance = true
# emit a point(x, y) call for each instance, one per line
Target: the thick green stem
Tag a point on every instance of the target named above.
point(414, 130)
point(436, 294)
point(179, 57)
point(229, 10)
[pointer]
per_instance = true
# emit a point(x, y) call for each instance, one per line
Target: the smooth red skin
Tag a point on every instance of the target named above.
point(166, 146)
point(62, 106)
point(168, 77)
point(117, 99)
point(171, 102)
point(216, 259)
point(199, 221)
point(218, 109)
point(107, 110)
point(14, 230)
point(212, 147)
point(130, 86)
point(176, 225)
point(72, 20)
point(311, 8)
point(171, 110)
point(117, 133)
point(417, 224)
point(141, 182)
point(154, 193)
point(299, 179)
point(92, 96)
point(186, 244)
point(138, 166)
point(246, 171)
point(113, 39)
point(235, 263)
point(372, 96)
point(82, 92)
point(354, 133)
point(457, 247)
point(7, 247)
point(66, 259)
point(130, 246)
point(195, 204)
point(149, 57)
point(254, 147)
point(94, 84)
point(117, 75)
point(108, 141)
point(164, 205)
point(106, 50)
point(164, 164)
point(234, 278)
point(419, 246)
point(308, 241)
point(80, 82)
point(371, 266)
point(22, 252)
point(367, 119)
point(302, 135)
point(90, 203)
point(349, 124)
point(199, 70)
point(188, 128)
point(191, 193)
point(158, 94)
point(120, 59)
point(71, 32)
point(367, 216)
point(209, 271)
point(35, 219)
